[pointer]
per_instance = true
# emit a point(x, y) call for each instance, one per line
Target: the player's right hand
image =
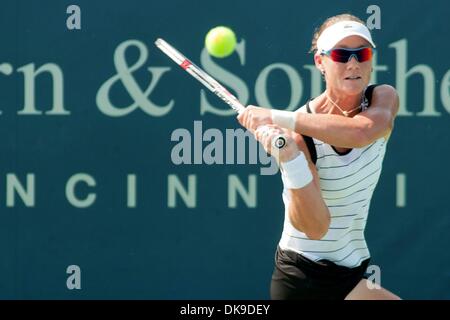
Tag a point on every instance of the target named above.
point(253, 117)
point(266, 134)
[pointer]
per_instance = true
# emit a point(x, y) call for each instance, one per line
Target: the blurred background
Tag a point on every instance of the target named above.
point(88, 107)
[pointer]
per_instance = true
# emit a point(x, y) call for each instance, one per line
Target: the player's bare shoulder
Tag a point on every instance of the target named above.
point(386, 96)
point(385, 101)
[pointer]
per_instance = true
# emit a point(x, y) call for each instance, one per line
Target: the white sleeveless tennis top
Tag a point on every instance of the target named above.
point(347, 183)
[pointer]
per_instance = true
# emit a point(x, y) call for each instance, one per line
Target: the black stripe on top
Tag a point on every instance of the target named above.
point(355, 182)
point(351, 174)
point(328, 240)
point(345, 165)
point(364, 189)
point(350, 226)
point(329, 251)
point(345, 215)
point(348, 204)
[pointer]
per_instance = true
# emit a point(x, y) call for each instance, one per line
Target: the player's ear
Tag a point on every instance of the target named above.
point(318, 61)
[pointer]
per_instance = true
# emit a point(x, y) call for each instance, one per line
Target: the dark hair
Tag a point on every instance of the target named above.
point(329, 22)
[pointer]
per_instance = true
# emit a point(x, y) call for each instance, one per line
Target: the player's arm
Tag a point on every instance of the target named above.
point(361, 130)
point(307, 211)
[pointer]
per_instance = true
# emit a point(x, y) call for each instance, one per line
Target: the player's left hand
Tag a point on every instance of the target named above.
point(268, 133)
point(253, 117)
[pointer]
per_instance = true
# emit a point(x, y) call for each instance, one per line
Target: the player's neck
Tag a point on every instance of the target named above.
point(333, 103)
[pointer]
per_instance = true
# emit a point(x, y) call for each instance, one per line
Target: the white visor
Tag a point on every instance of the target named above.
point(338, 31)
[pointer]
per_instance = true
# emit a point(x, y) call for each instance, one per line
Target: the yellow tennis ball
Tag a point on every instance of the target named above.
point(220, 42)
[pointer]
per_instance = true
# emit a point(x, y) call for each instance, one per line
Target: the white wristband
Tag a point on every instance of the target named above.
point(296, 173)
point(284, 119)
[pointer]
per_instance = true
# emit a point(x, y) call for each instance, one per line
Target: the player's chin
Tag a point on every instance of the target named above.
point(353, 87)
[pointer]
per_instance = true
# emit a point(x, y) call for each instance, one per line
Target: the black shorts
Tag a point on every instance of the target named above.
point(296, 277)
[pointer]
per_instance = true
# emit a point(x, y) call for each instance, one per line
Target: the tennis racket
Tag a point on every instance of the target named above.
point(209, 82)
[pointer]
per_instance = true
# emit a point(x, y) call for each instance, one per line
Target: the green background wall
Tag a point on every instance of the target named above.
point(209, 251)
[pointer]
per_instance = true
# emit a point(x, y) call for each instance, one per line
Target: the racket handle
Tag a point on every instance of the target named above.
point(279, 141)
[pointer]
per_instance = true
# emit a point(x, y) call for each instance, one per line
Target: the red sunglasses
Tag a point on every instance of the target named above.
point(344, 55)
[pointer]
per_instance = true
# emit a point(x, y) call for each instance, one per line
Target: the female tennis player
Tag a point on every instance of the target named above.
point(330, 168)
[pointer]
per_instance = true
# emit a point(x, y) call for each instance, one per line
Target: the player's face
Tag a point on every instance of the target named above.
point(349, 77)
